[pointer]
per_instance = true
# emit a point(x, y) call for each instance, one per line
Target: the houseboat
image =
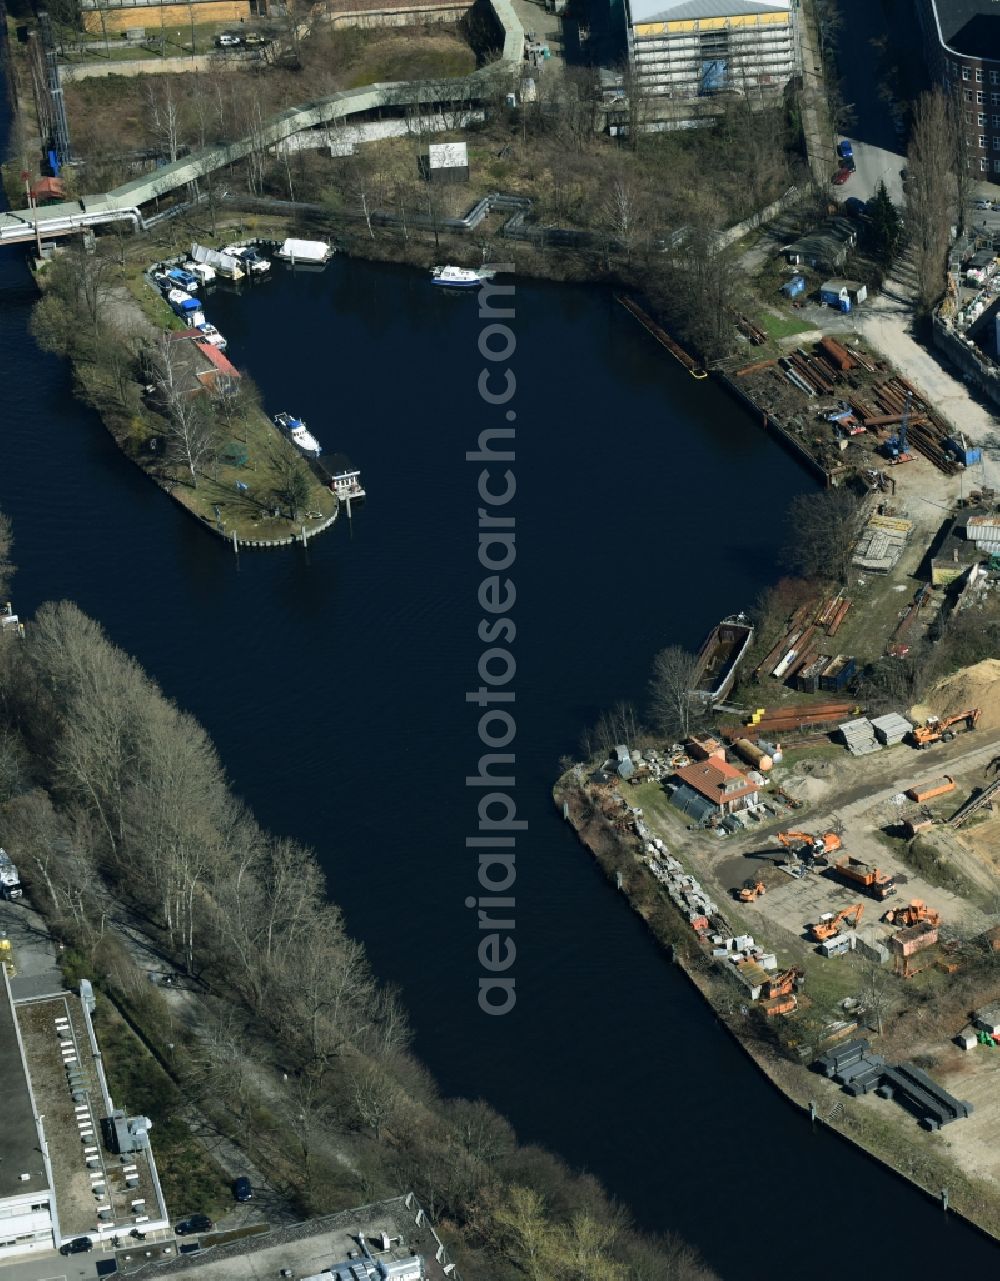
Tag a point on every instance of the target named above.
point(298, 434)
point(345, 480)
point(460, 277)
point(305, 253)
point(720, 656)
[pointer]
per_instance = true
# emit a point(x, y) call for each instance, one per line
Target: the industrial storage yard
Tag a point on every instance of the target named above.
point(838, 901)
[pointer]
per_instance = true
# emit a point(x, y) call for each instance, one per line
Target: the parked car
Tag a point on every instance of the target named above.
point(982, 204)
point(254, 38)
point(844, 149)
point(841, 176)
point(227, 40)
point(193, 1223)
point(854, 207)
point(242, 1189)
point(79, 1245)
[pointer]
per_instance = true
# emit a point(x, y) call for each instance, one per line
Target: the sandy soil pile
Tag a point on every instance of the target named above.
point(977, 686)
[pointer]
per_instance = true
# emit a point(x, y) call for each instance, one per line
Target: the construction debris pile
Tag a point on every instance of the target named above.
point(881, 543)
point(859, 1071)
point(807, 389)
point(744, 960)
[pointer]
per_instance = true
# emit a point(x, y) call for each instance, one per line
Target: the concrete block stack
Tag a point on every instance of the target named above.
point(891, 728)
point(859, 735)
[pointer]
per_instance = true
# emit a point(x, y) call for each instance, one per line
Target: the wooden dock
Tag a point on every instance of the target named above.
point(662, 337)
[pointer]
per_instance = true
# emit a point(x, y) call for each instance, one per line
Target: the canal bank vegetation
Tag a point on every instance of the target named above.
point(214, 450)
point(120, 820)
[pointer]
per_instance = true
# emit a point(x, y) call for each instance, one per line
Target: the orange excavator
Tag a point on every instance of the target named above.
point(751, 891)
point(814, 848)
point(829, 927)
point(939, 730)
point(914, 912)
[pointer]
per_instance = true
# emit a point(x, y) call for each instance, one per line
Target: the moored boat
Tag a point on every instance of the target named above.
point(720, 656)
point(460, 277)
point(298, 433)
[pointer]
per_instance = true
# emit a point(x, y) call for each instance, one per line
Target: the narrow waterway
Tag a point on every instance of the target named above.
point(334, 681)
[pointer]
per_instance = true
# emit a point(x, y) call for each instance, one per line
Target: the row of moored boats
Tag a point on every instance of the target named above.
point(180, 285)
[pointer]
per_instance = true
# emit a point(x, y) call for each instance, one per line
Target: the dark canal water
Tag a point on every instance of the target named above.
point(333, 683)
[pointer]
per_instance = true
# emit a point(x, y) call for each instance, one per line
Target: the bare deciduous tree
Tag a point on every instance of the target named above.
point(932, 191)
point(191, 432)
point(823, 529)
point(670, 691)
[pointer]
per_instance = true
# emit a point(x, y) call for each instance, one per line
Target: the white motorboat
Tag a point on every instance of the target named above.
point(457, 277)
point(299, 434)
point(211, 335)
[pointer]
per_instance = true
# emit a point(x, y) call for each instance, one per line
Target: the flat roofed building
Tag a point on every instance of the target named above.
point(962, 39)
point(25, 1180)
point(685, 50)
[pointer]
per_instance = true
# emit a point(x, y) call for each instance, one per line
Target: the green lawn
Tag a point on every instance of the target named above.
point(781, 326)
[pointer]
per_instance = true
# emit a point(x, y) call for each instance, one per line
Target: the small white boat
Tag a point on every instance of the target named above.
point(212, 335)
point(298, 434)
point(180, 298)
point(461, 277)
point(254, 262)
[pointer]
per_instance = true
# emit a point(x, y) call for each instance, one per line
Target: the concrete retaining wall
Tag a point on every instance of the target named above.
point(417, 16)
point(970, 360)
point(144, 67)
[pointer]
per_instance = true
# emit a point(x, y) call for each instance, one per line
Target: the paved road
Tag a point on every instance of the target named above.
point(874, 165)
point(38, 971)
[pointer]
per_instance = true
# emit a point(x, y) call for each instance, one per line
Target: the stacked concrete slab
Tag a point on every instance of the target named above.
point(860, 737)
point(859, 1071)
point(881, 544)
point(891, 728)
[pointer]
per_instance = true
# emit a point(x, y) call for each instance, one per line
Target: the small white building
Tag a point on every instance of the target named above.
point(448, 162)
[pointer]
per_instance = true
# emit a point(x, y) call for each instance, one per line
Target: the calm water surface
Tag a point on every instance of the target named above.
point(333, 683)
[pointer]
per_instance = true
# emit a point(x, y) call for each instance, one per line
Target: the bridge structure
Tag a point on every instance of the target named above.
point(126, 204)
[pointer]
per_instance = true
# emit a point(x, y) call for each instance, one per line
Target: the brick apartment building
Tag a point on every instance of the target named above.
point(963, 50)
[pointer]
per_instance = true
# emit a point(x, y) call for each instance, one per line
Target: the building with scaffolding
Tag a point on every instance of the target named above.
point(687, 55)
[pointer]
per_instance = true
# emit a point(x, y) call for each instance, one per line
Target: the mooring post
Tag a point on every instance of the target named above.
point(812, 1111)
point(944, 1200)
point(619, 882)
point(303, 528)
point(236, 546)
point(566, 810)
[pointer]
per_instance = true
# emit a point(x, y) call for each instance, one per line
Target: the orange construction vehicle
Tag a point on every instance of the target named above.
point(806, 845)
point(829, 926)
point(879, 885)
point(939, 730)
point(914, 912)
point(751, 891)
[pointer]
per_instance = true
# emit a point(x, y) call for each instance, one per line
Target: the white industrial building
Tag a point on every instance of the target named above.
point(683, 51)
